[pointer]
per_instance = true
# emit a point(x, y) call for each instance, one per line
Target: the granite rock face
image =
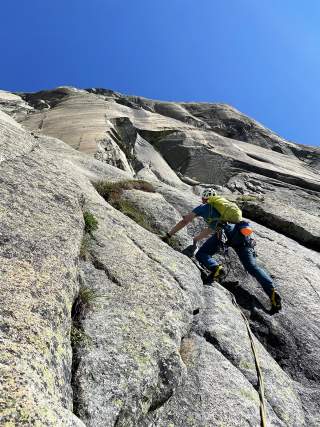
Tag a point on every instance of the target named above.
point(38, 270)
point(110, 326)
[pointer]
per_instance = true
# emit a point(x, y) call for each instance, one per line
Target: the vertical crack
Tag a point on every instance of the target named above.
point(77, 338)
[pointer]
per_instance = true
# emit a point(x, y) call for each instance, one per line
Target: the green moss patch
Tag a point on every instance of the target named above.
point(84, 300)
point(249, 198)
point(85, 247)
point(132, 212)
point(78, 337)
point(91, 223)
point(112, 191)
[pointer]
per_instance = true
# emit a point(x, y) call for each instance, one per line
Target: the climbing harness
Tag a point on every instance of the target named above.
point(225, 245)
point(224, 249)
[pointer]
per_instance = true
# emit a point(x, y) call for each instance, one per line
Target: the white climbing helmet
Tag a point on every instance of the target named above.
point(208, 192)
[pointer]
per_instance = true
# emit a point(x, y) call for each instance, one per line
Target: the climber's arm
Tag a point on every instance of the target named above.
point(185, 220)
point(203, 234)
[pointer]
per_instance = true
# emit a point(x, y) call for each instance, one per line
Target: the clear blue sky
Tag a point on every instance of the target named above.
point(261, 56)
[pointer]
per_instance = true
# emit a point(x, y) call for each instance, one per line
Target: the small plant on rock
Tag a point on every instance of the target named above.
point(91, 224)
point(249, 198)
point(85, 248)
point(132, 212)
point(86, 297)
point(111, 191)
point(84, 300)
point(78, 336)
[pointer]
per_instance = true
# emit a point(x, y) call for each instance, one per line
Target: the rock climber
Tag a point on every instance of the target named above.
point(238, 238)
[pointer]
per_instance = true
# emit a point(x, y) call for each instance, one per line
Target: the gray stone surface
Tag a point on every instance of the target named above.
point(14, 141)
point(213, 393)
point(290, 337)
point(109, 152)
point(154, 347)
point(160, 215)
point(79, 162)
point(145, 300)
point(14, 105)
point(290, 209)
point(226, 121)
point(40, 230)
point(283, 400)
point(81, 119)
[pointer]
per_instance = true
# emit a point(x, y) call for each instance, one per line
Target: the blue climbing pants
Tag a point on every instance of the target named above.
point(246, 255)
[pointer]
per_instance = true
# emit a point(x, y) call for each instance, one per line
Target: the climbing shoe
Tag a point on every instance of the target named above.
point(215, 276)
point(275, 301)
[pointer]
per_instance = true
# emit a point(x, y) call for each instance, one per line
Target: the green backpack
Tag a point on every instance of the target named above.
point(229, 211)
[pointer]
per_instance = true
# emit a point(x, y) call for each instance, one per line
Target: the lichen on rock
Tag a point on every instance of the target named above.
point(102, 323)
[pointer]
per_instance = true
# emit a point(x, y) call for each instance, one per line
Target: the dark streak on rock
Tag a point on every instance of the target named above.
point(98, 265)
point(283, 226)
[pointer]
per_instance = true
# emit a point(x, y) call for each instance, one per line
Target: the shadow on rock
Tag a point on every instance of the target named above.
point(245, 300)
point(261, 325)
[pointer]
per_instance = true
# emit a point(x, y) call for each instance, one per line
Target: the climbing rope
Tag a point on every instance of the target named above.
point(314, 289)
point(263, 410)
